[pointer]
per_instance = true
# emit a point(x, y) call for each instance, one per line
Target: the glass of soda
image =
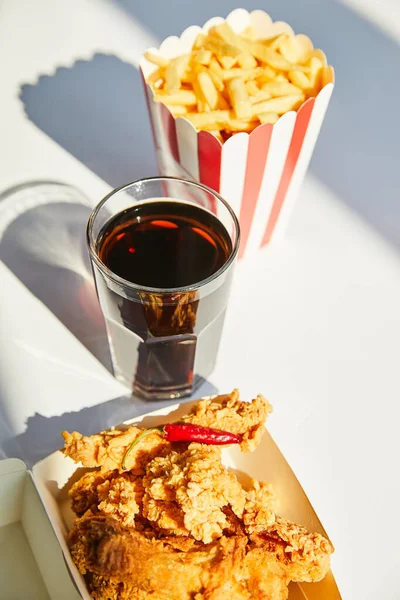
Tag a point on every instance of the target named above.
point(163, 252)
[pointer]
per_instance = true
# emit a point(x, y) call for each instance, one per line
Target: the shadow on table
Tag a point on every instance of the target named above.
point(357, 152)
point(45, 248)
point(43, 434)
point(97, 111)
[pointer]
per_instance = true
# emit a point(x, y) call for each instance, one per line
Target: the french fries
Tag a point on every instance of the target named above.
point(233, 82)
point(208, 89)
point(239, 98)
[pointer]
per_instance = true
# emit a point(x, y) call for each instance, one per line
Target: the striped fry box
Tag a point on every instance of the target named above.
point(260, 174)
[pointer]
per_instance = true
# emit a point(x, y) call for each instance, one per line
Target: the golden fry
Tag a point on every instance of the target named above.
point(281, 88)
point(289, 50)
point(223, 103)
point(236, 125)
point(252, 88)
point(299, 79)
point(246, 61)
point(172, 79)
point(270, 40)
point(156, 59)
point(184, 97)
point(268, 117)
point(156, 76)
point(268, 74)
point(281, 77)
point(226, 33)
point(245, 74)
point(215, 67)
point(315, 75)
point(278, 105)
point(174, 72)
point(208, 89)
point(203, 57)
point(328, 75)
point(188, 77)
point(232, 82)
point(319, 54)
point(217, 81)
point(276, 42)
point(220, 48)
point(216, 119)
point(178, 110)
point(270, 57)
point(199, 41)
point(239, 98)
point(201, 101)
point(262, 95)
point(227, 62)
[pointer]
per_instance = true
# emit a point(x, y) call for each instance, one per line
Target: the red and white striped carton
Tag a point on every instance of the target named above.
point(260, 174)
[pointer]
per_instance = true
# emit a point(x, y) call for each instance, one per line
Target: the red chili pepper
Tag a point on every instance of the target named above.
point(186, 432)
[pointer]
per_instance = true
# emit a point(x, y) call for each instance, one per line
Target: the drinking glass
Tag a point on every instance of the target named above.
point(164, 340)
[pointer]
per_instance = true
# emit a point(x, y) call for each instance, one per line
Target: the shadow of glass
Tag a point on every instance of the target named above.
point(96, 110)
point(357, 152)
point(45, 247)
point(42, 435)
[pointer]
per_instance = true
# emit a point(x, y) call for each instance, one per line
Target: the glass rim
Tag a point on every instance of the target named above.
point(91, 243)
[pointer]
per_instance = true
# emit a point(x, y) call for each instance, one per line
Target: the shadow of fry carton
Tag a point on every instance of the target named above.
point(260, 174)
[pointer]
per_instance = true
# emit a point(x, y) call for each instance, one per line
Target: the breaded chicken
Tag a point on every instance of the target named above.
point(226, 412)
point(197, 483)
point(178, 525)
point(306, 556)
point(126, 564)
point(106, 449)
point(181, 493)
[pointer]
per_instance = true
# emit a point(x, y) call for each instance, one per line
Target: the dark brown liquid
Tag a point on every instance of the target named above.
point(164, 244)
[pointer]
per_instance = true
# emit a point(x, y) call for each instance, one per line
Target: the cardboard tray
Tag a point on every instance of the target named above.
point(45, 575)
point(32, 565)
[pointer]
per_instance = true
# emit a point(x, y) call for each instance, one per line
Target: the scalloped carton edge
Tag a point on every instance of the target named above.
point(260, 174)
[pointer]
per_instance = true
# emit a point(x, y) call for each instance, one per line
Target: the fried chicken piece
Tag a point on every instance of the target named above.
point(184, 492)
point(158, 568)
point(125, 564)
point(177, 525)
point(228, 413)
point(306, 556)
point(83, 493)
point(121, 497)
point(107, 449)
point(260, 507)
point(111, 493)
point(187, 491)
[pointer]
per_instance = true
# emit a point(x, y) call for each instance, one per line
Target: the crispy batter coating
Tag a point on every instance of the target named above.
point(228, 413)
point(178, 525)
point(111, 493)
point(197, 483)
point(182, 493)
point(306, 556)
point(106, 449)
point(126, 564)
point(260, 507)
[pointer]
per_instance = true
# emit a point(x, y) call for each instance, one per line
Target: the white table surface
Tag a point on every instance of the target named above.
point(313, 322)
